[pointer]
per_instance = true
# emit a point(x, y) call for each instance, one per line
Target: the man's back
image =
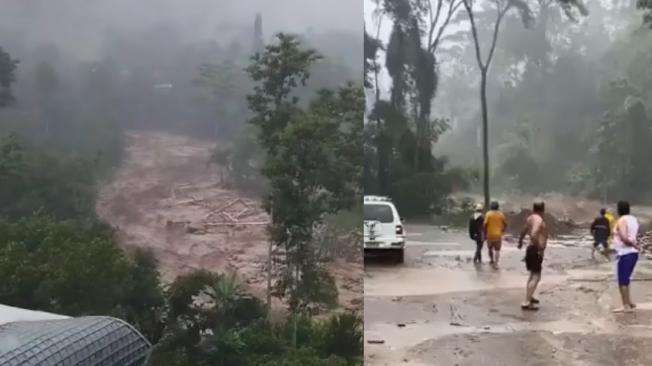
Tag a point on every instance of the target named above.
point(475, 226)
point(537, 230)
point(494, 222)
point(600, 229)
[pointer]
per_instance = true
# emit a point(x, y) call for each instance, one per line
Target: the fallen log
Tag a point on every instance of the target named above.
point(215, 224)
point(219, 210)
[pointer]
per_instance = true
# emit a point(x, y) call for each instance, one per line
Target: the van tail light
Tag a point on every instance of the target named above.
point(399, 229)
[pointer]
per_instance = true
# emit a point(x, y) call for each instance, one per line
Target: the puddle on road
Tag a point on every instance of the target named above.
point(432, 243)
point(461, 253)
point(413, 334)
point(421, 282)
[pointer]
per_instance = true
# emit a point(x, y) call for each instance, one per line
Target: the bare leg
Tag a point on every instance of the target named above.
point(528, 298)
point(628, 297)
point(532, 286)
point(496, 257)
point(623, 296)
point(490, 249)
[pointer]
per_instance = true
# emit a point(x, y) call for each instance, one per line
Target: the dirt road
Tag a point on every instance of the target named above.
point(166, 198)
point(440, 309)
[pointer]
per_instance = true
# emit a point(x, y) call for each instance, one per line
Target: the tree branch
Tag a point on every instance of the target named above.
point(375, 64)
point(433, 22)
point(499, 19)
point(452, 8)
point(469, 5)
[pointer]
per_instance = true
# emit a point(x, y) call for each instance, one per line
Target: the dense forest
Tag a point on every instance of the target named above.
point(62, 125)
point(566, 88)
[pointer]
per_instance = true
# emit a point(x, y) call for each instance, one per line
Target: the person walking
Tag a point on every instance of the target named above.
point(476, 232)
point(600, 230)
point(535, 228)
point(612, 222)
point(627, 249)
point(494, 228)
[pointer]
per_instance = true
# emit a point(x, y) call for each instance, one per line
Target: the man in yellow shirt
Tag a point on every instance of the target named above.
point(494, 228)
point(612, 221)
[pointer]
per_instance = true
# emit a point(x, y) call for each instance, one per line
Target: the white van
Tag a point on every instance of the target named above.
point(383, 227)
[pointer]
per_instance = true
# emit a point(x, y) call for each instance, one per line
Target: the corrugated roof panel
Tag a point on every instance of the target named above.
point(86, 341)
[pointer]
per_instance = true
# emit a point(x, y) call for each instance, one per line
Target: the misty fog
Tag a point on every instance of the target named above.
point(138, 45)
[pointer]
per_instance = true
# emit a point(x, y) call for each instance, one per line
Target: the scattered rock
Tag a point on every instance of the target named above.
point(585, 289)
point(197, 230)
point(397, 299)
point(516, 221)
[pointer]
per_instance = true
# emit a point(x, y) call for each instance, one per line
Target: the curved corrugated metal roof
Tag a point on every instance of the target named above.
point(85, 341)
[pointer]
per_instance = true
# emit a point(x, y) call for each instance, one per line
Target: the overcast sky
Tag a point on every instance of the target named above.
point(85, 21)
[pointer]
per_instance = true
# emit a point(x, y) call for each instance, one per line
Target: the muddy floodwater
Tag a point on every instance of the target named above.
point(438, 308)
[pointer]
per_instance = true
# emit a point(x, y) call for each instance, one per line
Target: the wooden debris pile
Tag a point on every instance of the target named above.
point(646, 241)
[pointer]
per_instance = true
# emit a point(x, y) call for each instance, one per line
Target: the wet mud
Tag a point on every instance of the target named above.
point(438, 308)
point(167, 199)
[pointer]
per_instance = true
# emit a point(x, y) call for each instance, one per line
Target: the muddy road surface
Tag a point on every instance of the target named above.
point(438, 308)
point(167, 199)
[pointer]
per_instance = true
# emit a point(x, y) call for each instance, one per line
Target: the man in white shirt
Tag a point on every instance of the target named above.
point(627, 249)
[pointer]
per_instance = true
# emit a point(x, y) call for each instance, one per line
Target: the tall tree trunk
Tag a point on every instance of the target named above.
point(380, 144)
point(485, 136)
point(270, 261)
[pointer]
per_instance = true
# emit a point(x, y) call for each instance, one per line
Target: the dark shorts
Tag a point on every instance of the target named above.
point(533, 259)
point(598, 242)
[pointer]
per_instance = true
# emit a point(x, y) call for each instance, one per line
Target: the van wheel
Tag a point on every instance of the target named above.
point(399, 256)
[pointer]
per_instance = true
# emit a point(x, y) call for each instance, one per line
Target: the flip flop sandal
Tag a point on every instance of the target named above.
point(534, 301)
point(529, 307)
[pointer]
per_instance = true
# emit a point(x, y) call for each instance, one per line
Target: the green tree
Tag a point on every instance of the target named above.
point(502, 7)
point(647, 6)
point(312, 162)
point(259, 42)
point(7, 77)
point(61, 267)
point(46, 84)
point(144, 302)
point(342, 336)
point(398, 143)
point(61, 185)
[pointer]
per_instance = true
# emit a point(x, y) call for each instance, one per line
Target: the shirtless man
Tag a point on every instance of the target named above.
point(535, 228)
